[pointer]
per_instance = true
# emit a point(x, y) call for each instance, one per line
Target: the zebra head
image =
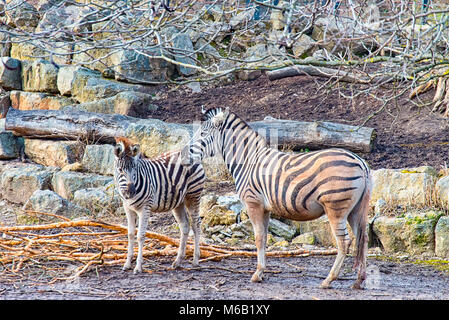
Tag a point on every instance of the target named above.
point(205, 141)
point(126, 166)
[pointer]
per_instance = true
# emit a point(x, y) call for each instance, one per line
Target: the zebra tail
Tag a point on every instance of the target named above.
point(362, 213)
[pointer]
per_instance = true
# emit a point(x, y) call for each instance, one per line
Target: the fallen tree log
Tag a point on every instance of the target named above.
point(152, 134)
point(337, 74)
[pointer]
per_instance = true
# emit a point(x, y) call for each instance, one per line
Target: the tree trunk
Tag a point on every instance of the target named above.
point(293, 135)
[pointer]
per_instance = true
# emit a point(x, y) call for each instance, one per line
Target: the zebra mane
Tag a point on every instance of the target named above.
point(211, 112)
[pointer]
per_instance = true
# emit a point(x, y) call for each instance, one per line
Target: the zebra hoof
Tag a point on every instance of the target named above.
point(257, 277)
point(137, 270)
point(176, 264)
point(325, 285)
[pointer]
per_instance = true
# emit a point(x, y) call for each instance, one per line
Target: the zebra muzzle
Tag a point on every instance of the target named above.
point(130, 191)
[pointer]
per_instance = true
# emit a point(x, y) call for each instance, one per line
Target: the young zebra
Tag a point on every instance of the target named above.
point(301, 187)
point(157, 185)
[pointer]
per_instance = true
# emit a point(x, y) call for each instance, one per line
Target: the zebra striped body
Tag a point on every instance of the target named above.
point(301, 187)
point(157, 185)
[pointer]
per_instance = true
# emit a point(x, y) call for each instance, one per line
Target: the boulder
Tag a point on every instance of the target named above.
point(156, 136)
point(38, 100)
point(5, 44)
point(104, 200)
point(39, 76)
point(183, 51)
point(413, 233)
point(126, 103)
point(10, 73)
point(303, 47)
point(10, 145)
point(5, 104)
point(66, 183)
point(131, 66)
point(442, 237)
point(99, 159)
point(72, 79)
point(410, 186)
point(319, 227)
point(50, 202)
point(98, 88)
point(442, 191)
point(53, 153)
point(305, 238)
point(19, 181)
point(281, 229)
point(21, 14)
point(29, 50)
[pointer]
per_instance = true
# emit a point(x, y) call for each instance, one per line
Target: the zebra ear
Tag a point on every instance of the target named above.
point(118, 149)
point(135, 150)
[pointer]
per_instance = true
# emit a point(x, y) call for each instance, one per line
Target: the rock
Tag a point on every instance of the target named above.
point(319, 227)
point(126, 103)
point(277, 19)
point(10, 145)
point(99, 200)
point(37, 100)
point(10, 73)
point(442, 191)
point(50, 202)
point(303, 47)
point(410, 186)
point(72, 79)
point(53, 153)
point(182, 49)
point(215, 169)
point(59, 17)
point(134, 67)
point(281, 229)
point(241, 19)
point(98, 88)
point(99, 159)
point(76, 166)
point(413, 233)
point(442, 237)
point(133, 104)
point(156, 137)
point(305, 238)
point(89, 55)
point(29, 50)
point(19, 181)
point(5, 44)
point(66, 183)
point(5, 104)
point(21, 14)
point(39, 76)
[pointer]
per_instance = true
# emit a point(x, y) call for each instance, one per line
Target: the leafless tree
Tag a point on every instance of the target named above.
point(398, 44)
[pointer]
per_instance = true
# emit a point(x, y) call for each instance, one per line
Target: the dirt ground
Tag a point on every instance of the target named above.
point(407, 136)
point(290, 278)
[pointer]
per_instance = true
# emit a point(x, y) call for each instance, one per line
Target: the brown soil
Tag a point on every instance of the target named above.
point(407, 135)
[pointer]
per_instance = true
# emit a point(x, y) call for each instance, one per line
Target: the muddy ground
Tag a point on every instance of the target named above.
point(287, 279)
point(408, 136)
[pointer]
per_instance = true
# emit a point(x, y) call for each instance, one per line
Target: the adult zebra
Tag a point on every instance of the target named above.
point(157, 185)
point(301, 187)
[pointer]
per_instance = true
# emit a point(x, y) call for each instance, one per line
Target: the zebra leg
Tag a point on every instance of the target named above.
point(259, 219)
point(143, 222)
point(192, 208)
point(131, 217)
point(338, 226)
point(181, 217)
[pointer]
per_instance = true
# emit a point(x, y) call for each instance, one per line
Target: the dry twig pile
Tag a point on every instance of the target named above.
point(90, 243)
